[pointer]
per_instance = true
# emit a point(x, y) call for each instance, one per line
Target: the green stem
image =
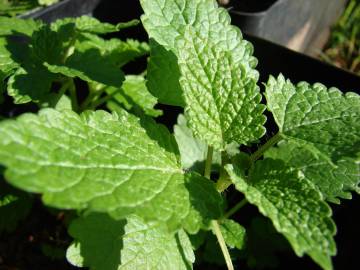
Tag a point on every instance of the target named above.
point(236, 208)
point(220, 238)
point(208, 162)
point(215, 223)
point(101, 101)
point(273, 140)
point(63, 88)
point(72, 91)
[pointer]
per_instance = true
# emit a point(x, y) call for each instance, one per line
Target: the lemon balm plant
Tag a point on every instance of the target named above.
point(141, 196)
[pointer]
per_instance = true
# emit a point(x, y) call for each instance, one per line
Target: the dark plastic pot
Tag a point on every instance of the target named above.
point(65, 8)
point(274, 59)
point(297, 24)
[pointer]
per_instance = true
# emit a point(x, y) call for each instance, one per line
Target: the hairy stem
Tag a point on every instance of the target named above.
point(236, 208)
point(215, 223)
point(220, 238)
point(273, 140)
point(208, 162)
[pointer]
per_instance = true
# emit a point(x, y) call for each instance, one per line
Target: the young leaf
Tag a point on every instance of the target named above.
point(117, 51)
point(90, 66)
point(15, 26)
point(12, 8)
point(325, 121)
point(217, 69)
point(163, 75)
point(234, 233)
point(205, 203)
point(134, 88)
point(333, 182)
point(295, 207)
point(92, 25)
point(31, 83)
point(127, 244)
point(51, 43)
point(193, 152)
point(101, 162)
point(7, 64)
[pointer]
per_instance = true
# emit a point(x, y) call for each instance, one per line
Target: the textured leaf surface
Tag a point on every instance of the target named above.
point(92, 25)
point(333, 181)
point(52, 43)
point(90, 66)
point(233, 233)
point(193, 151)
point(13, 8)
point(7, 64)
point(15, 26)
point(295, 207)
point(117, 51)
point(31, 83)
point(101, 162)
point(324, 120)
point(206, 204)
point(217, 69)
point(134, 87)
point(127, 244)
point(14, 207)
point(163, 75)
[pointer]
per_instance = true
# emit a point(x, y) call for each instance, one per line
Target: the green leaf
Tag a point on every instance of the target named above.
point(193, 151)
point(90, 66)
point(117, 51)
point(14, 207)
point(7, 63)
point(294, 205)
point(47, 45)
point(206, 204)
point(325, 121)
point(233, 233)
point(15, 26)
point(32, 83)
point(333, 181)
point(127, 244)
point(92, 25)
point(134, 88)
point(12, 8)
point(163, 76)
point(218, 78)
point(103, 163)
point(124, 52)
point(47, 2)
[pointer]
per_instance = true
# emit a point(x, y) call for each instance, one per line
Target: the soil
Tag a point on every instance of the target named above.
point(25, 248)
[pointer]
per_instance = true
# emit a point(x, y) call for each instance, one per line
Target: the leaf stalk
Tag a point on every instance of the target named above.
point(220, 238)
point(260, 152)
point(208, 162)
point(236, 208)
